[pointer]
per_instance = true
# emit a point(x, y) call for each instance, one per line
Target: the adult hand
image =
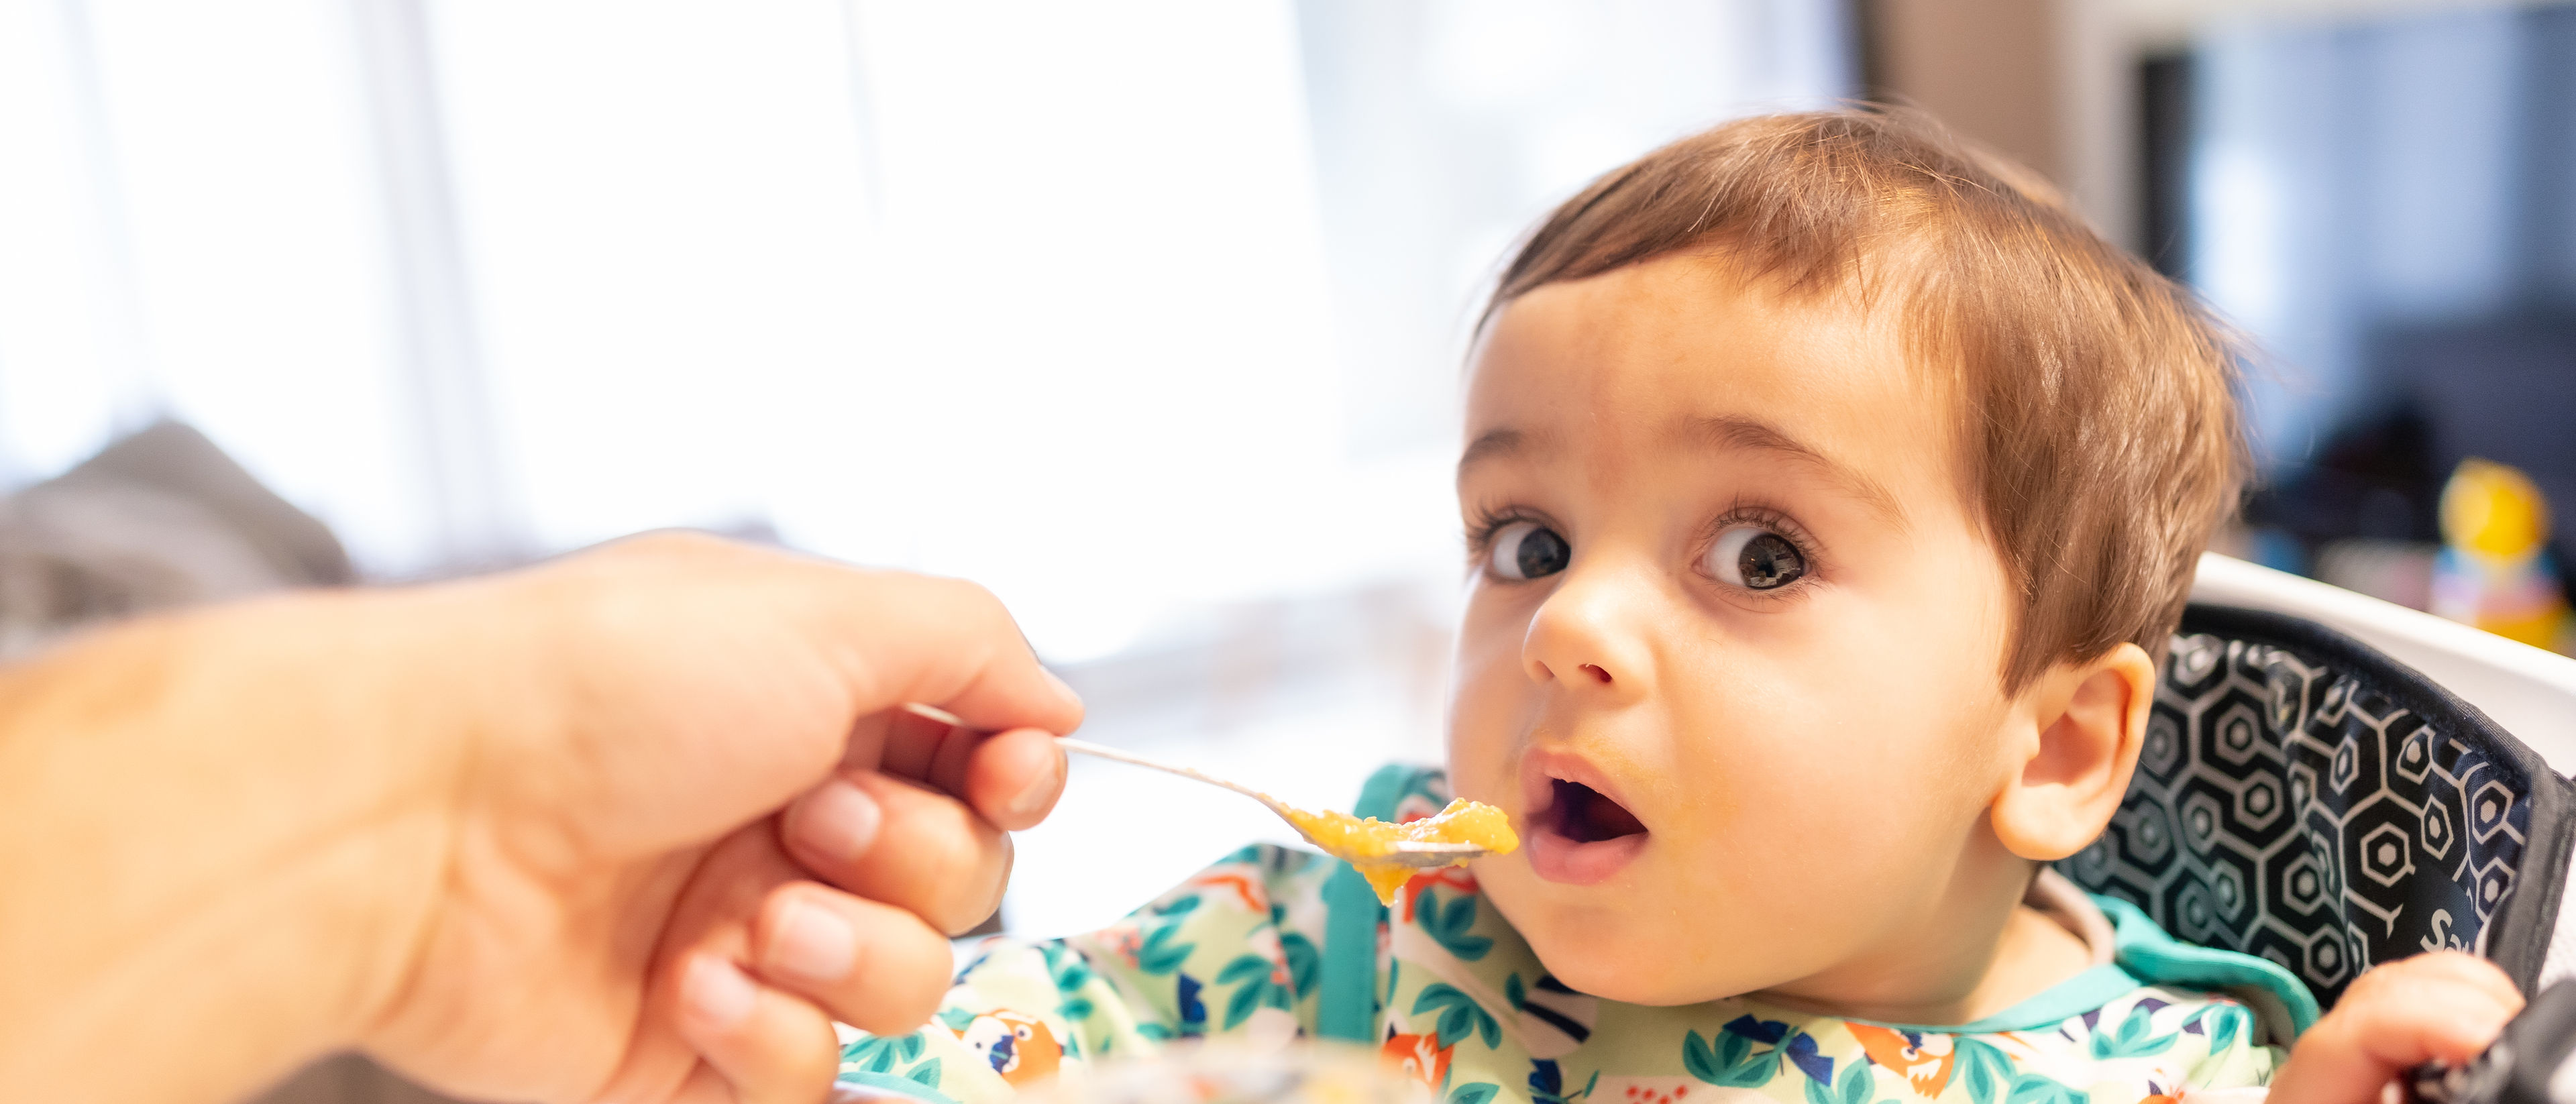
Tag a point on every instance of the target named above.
point(633, 825)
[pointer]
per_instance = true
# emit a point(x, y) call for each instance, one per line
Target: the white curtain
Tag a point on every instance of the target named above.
point(1124, 308)
point(1146, 313)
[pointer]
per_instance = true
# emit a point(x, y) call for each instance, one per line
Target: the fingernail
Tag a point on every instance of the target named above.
point(1041, 791)
point(715, 993)
point(839, 821)
point(1060, 685)
point(811, 943)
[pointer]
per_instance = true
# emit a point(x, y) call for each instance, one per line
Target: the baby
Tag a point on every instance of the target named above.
point(1831, 495)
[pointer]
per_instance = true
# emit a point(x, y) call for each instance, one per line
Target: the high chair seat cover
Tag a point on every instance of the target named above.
point(2304, 798)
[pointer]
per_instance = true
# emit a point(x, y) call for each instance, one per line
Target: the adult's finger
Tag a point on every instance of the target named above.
point(768, 1046)
point(1012, 778)
point(888, 637)
point(873, 966)
point(945, 642)
point(891, 840)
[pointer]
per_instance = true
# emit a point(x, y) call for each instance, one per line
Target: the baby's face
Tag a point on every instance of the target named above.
point(1731, 657)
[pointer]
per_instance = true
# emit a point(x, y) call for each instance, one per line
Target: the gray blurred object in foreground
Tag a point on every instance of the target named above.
point(157, 520)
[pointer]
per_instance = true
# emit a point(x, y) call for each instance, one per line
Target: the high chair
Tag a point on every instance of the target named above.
point(2331, 781)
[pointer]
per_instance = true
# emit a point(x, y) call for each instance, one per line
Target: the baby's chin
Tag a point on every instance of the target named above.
point(1623, 971)
point(1608, 948)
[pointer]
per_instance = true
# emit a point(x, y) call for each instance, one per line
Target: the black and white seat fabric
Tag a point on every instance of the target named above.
point(2302, 797)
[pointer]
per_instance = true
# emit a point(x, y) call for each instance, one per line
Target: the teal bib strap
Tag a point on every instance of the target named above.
point(2159, 959)
point(1346, 1007)
point(1346, 1004)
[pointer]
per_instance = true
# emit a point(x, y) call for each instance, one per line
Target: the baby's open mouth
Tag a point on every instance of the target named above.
point(1575, 833)
point(1581, 814)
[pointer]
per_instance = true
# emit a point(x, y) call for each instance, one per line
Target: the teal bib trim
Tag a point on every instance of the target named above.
point(2075, 996)
point(2056, 1004)
point(2159, 959)
point(900, 1086)
point(2142, 954)
point(1346, 1000)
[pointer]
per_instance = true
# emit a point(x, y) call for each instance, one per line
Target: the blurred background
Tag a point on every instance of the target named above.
point(1147, 314)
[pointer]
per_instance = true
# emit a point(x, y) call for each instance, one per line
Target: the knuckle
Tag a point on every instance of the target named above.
point(975, 599)
point(915, 1004)
point(902, 977)
point(977, 904)
point(675, 543)
point(902, 1012)
point(966, 886)
point(934, 857)
point(801, 1068)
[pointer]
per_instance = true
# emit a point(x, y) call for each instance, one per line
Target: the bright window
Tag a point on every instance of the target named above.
point(1147, 314)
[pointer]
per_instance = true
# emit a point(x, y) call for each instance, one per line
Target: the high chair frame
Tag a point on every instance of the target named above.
point(2331, 781)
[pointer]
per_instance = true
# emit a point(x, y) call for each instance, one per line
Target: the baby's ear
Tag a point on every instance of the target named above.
point(2090, 718)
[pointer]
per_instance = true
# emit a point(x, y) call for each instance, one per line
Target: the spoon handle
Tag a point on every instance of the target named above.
point(1104, 751)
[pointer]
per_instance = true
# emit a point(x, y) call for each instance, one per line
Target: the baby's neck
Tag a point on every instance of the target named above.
point(1947, 973)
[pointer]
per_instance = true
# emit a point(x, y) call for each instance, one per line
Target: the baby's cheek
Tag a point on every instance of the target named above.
point(1808, 810)
point(1476, 728)
point(1484, 702)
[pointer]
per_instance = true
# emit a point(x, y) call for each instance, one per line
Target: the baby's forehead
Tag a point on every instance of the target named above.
point(1673, 358)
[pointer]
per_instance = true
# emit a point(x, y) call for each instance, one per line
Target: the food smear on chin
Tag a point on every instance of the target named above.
point(1368, 845)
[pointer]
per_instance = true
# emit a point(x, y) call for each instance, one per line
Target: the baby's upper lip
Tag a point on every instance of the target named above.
point(1542, 767)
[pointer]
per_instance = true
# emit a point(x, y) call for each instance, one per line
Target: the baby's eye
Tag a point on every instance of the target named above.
point(1755, 559)
point(1528, 550)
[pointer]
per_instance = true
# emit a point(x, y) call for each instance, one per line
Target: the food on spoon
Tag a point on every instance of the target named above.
point(1369, 844)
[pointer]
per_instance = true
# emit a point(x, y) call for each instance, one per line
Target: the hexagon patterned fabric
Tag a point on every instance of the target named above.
point(2304, 798)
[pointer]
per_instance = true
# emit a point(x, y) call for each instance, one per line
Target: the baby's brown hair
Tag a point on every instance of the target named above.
point(2102, 443)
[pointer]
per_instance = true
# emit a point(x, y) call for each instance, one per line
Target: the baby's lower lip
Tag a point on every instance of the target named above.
point(1557, 858)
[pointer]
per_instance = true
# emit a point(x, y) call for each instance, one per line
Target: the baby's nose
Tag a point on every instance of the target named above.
point(1594, 633)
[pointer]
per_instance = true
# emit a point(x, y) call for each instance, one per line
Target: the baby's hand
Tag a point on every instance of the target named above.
point(2446, 1005)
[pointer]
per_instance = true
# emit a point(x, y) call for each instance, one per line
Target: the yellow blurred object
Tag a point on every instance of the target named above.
point(2493, 510)
point(2495, 572)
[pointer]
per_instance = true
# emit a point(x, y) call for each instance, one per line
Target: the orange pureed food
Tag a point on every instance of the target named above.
point(1368, 844)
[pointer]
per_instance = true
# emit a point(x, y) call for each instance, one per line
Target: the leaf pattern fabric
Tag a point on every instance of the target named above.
point(1461, 1004)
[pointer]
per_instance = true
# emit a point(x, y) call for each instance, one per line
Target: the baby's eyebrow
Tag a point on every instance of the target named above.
point(1495, 443)
point(1732, 432)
